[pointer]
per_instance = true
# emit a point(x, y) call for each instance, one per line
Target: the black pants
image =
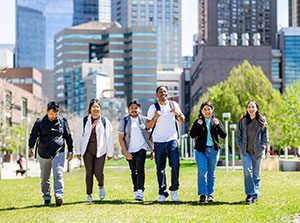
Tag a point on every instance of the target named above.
point(137, 167)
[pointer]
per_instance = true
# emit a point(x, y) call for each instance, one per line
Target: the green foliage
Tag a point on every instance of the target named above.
point(289, 116)
point(246, 82)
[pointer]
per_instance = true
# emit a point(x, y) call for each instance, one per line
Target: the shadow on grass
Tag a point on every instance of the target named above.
point(128, 202)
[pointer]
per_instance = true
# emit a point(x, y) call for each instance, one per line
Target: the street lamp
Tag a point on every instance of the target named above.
point(233, 128)
point(226, 118)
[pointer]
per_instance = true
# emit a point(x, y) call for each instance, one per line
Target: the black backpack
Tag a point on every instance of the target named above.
point(157, 107)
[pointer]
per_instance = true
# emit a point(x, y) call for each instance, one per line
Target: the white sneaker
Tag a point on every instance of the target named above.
point(174, 195)
point(139, 195)
point(101, 193)
point(161, 198)
point(89, 199)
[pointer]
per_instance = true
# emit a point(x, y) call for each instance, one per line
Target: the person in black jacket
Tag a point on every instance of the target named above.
point(50, 134)
point(206, 130)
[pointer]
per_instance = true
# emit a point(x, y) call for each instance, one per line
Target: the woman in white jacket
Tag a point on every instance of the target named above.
point(95, 143)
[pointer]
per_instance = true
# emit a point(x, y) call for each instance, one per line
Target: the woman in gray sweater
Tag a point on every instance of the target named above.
point(252, 139)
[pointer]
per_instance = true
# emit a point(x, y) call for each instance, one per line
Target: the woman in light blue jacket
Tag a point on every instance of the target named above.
point(252, 139)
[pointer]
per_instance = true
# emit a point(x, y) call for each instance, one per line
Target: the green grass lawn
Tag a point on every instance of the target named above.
point(21, 200)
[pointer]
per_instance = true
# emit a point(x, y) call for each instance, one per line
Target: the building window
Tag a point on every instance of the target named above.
point(24, 107)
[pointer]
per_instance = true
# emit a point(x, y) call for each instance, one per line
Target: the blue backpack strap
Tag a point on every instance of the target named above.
point(171, 103)
point(125, 124)
point(157, 107)
point(103, 120)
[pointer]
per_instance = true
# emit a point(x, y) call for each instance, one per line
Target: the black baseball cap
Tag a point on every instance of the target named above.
point(135, 102)
point(53, 105)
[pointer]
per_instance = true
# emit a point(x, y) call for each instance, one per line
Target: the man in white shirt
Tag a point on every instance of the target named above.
point(134, 141)
point(162, 118)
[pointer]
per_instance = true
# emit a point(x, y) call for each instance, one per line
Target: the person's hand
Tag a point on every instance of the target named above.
point(109, 157)
point(70, 156)
point(79, 156)
point(216, 121)
point(157, 115)
point(151, 155)
point(200, 122)
point(127, 155)
point(32, 152)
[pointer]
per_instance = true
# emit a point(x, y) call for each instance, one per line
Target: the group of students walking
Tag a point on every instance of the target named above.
point(158, 133)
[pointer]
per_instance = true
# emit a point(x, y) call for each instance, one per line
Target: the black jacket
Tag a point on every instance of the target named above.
point(51, 136)
point(200, 133)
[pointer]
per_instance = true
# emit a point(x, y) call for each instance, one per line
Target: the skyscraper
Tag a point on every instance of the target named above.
point(225, 17)
point(30, 50)
point(133, 50)
point(294, 13)
point(59, 15)
point(91, 10)
point(165, 15)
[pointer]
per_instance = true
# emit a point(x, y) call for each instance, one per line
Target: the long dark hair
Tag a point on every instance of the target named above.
point(208, 103)
point(93, 101)
point(258, 116)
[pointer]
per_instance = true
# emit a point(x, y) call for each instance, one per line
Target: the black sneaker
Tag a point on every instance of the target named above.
point(58, 202)
point(202, 198)
point(47, 202)
point(254, 200)
point(248, 199)
point(210, 199)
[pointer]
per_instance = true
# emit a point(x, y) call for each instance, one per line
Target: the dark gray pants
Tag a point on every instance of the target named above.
point(93, 166)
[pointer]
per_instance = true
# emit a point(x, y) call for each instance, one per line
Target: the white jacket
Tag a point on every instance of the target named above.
point(105, 142)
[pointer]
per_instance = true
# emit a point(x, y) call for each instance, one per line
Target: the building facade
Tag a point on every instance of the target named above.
point(58, 15)
point(214, 63)
point(91, 10)
point(225, 17)
point(289, 40)
point(294, 13)
point(28, 79)
point(30, 48)
point(133, 50)
point(163, 14)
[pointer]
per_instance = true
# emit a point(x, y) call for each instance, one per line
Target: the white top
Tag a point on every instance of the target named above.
point(165, 129)
point(137, 141)
point(105, 141)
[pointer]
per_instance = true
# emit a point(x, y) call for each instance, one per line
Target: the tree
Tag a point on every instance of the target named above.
point(246, 82)
point(289, 116)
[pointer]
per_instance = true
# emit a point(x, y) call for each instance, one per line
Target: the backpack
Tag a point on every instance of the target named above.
point(103, 120)
point(157, 107)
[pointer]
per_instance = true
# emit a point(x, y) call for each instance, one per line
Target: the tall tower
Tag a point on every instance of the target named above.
point(225, 17)
point(164, 14)
point(294, 13)
point(91, 10)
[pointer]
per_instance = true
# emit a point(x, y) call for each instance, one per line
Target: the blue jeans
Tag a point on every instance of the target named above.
point(57, 165)
point(162, 151)
point(206, 164)
point(252, 167)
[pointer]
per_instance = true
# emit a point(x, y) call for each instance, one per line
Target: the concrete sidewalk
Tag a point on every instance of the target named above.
point(9, 169)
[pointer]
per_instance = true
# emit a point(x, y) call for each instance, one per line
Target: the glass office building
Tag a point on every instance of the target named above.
point(30, 46)
point(133, 50)
point(163, 14)
point(289, 43)
point(91, 10)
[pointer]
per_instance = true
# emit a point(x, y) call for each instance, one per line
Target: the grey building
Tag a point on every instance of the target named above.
point(214, 63)
point(294, 13)
point(30, 45)
point(91, 10)
point(217, 17)
point(133, 50)
point(163, 14)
